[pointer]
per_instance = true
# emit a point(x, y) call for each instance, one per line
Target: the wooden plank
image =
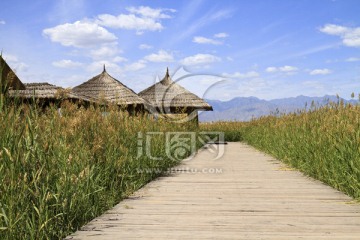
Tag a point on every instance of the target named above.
point(253, 197)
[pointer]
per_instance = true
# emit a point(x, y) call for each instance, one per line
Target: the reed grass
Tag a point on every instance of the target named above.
point(59, 172)
point(323, 143)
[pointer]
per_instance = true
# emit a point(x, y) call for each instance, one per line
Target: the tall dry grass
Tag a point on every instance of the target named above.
point(58, 172)
point(324, 143)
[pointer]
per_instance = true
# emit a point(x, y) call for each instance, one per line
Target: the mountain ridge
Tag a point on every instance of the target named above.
point(246, 108)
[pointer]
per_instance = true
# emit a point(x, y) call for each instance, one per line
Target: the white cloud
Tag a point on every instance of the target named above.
point(89, 33)
point(140, 19)
point(221, 35)
point(135, 66)
point(15, 63)
point(97, 67)
point(130, 22)
point(271, 69)
point(2, 22)
point(104, 52)
point(251, 74)
point(145, 46)
point(155, 13)
point(67, 64)
point(350, 36)
point(352, 59)
point(288, 69)
point(199, 59)
point(285, 69)
point(119, 59)
point(352, 39)
point(229, 59)
point(161, 56)
point(333, 29)
point(79, 34)
point(324, 71)
point(204, 40)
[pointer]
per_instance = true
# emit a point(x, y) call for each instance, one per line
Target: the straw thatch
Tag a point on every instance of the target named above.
point(8, 77)
point(44, 91)
point(167, 95)
point(105, 87)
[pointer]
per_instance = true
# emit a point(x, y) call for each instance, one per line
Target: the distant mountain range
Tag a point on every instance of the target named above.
point(246, 108)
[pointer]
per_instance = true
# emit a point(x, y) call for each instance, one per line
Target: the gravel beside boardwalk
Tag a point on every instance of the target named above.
point(252, 196)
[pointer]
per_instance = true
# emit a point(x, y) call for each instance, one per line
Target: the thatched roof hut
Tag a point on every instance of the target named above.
point(8, 77)
point(104, 87)
point(44, 94)
point(169, 97)
point(38, 91)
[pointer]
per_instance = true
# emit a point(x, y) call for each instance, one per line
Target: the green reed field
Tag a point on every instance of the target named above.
point(324, 143)
point(57, 173)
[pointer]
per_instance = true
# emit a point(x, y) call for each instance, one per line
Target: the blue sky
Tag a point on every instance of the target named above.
point(268, 49)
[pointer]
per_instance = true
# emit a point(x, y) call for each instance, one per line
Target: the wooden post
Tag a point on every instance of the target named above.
point(196, 119)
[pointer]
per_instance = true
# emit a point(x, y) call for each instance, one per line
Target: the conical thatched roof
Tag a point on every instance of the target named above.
point(44, 91)
point(105, 87)
point(8, 77)
point(169, 94)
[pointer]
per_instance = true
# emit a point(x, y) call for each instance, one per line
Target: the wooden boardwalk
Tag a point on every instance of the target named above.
point(252, 196)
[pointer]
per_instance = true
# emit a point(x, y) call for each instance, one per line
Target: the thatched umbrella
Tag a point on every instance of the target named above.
point(8, 77)
point(168, 97)
point(104, 87)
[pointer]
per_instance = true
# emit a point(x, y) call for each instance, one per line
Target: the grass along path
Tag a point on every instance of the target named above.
point(57, 173)
point(253, 197)
point(323, 143)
